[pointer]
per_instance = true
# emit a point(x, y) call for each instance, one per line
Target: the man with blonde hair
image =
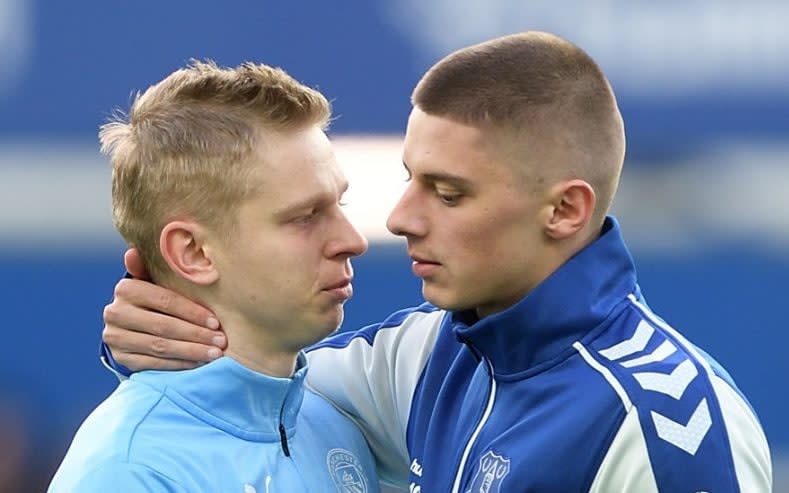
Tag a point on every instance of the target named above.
point(536, 365)
point(225, 182)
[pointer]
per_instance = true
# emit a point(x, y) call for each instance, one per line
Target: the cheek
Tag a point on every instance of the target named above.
point(494, 244)
point(299, 258)
point(487, 233)
point(283, 247)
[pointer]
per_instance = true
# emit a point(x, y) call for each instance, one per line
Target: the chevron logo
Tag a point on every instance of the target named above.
point(673, 384)
point(662, 352)
point(635, 344)
point(688, 437)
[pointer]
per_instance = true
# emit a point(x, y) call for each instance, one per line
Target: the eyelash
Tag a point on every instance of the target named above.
point(307, 218)
point(449, 199)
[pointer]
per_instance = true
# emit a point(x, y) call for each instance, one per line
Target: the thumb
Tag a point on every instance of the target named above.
point(135, 265)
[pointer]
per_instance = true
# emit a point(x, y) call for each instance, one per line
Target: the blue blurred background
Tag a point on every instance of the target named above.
point(703, 86)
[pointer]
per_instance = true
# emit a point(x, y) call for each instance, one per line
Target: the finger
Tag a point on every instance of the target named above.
point(139, 362)
point(155, 347)
point(147, 295)
point(122, 322)
point(134, 264)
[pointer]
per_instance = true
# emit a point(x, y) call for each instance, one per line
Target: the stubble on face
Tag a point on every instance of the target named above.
point(279, 267)
point(487, 243)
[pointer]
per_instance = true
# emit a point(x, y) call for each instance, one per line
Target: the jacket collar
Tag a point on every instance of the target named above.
point(565, 307)
point(234, 398)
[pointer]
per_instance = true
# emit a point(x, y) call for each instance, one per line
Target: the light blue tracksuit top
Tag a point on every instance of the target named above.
point(218, 428)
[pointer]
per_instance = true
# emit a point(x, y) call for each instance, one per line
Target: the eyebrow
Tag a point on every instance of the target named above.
point(448, 178)
point(309, 202)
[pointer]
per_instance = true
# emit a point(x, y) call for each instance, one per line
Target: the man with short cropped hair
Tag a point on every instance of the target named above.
point(536, 364)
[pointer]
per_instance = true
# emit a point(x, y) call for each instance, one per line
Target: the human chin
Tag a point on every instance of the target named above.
point(319, 331)
point(336, 321)
point(332, 321)
point(440, 297)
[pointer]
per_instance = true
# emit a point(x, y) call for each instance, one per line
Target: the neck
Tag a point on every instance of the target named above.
point(257, 348)
point(555, 257)
point(275, 365)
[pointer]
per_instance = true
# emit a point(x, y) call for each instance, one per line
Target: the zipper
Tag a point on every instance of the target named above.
point(283, 438)
point(480, 425)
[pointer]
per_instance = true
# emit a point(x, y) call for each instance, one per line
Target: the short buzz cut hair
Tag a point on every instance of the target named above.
point(534, 84)
point(185, 146)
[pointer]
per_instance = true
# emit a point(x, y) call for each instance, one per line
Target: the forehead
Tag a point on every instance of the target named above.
point(438, 145)
point(297, 165)
point(303, 154)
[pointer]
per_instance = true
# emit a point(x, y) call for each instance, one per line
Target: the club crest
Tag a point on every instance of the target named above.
point(346, 471)
point(490, 473)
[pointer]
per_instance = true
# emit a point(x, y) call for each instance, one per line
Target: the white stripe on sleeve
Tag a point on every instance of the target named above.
point(374, 385)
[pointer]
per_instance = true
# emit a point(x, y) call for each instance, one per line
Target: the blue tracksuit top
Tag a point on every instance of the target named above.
point(579, 387)
point(220, 428)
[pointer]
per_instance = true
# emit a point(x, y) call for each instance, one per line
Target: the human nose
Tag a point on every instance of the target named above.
point(350, 241)
point(404, 220)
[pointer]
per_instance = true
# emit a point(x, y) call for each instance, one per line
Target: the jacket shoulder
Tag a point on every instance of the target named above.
point(690, 415)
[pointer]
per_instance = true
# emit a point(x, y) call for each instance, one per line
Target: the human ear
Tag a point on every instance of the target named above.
point(182, 244)
point(573, 205)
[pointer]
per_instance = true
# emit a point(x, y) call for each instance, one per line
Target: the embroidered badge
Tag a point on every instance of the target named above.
point(491, 472)
point(346, 471)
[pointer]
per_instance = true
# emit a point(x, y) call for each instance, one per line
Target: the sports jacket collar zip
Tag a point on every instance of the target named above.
point(540, 329)
point(243, 403)
point(217, 428)
point(577, 388)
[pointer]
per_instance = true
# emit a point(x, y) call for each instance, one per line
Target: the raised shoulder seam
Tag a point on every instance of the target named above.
point(154, 405)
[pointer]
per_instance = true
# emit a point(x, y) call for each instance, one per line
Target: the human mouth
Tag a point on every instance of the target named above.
point(341, 290)
point(423, 267)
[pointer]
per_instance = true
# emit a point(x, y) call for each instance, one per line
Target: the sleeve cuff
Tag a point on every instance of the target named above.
point(109, 362)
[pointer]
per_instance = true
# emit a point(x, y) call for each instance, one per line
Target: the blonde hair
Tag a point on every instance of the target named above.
point(529, 87)
point(185, 147)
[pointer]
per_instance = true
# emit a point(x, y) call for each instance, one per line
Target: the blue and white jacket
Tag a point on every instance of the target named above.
point(218, 428)
point(579, 387)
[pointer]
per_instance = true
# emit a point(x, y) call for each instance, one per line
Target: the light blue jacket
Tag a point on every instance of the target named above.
point(218, 428)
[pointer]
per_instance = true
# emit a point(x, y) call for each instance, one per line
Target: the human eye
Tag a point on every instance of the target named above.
point(450, 199)
point(306, 217)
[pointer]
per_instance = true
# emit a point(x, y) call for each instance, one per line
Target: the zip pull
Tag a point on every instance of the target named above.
point(283, 438)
